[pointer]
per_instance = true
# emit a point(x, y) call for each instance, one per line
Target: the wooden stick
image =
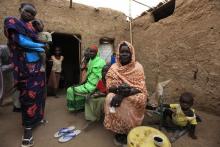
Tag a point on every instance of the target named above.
point(71, 3)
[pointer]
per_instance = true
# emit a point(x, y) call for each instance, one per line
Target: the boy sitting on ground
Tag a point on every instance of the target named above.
point(182, 115)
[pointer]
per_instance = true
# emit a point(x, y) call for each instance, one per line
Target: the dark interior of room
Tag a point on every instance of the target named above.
point(70, 47)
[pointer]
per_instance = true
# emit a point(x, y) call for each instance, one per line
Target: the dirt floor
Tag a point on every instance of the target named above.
point(208, 131)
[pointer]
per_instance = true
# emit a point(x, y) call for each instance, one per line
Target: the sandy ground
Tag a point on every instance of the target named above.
point(95, 136)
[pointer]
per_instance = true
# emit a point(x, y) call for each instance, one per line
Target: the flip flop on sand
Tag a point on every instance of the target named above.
point(64, 131)
point(69, 136)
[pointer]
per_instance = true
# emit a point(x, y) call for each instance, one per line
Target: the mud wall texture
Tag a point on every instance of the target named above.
point(184, 47)
point(90, 23)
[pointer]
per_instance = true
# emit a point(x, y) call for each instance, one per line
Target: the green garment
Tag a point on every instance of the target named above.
point(76, 95)
point(94, 108)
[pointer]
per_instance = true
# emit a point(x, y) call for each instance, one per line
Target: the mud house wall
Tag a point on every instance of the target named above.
point(90, 23)
point(187, 47)
point(81, 19)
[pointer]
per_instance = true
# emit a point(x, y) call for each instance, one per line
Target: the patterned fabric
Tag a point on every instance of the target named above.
point(27, 76)
point(131, 111)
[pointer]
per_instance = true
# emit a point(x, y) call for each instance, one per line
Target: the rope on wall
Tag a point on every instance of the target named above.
point(142, 4)
point(130, 23)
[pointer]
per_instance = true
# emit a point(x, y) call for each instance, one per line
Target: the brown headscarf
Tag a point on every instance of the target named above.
point(132, 73)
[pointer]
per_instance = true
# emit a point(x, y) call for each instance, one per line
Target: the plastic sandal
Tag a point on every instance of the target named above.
point(27, 142)
point(44, 122)
point(63, 131)
point(69, 136)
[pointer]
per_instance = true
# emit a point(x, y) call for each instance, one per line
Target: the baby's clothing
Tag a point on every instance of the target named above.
point(33, 48)
point(179, 118)
point(45, 36)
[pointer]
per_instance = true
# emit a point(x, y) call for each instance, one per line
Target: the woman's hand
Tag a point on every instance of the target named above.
point(126, 90)
point(116, 101)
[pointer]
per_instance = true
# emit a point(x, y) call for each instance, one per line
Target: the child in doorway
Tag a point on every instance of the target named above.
point(182, 115)
point(54, 78)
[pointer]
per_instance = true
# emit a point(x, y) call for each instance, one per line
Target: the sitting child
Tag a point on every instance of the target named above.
point(182, 115)
point(94, 101)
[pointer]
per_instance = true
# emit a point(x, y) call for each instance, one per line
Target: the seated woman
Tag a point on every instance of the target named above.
point(95, 100)
point(125, 103)
point(76, 94)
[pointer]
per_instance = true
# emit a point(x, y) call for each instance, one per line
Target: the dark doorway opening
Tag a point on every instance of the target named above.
point(70, 45)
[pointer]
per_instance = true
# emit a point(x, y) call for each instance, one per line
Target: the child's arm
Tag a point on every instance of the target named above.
point(166, 105)
point(61, 58)
point(28, 43)
point(192, 122)
point(98, 94)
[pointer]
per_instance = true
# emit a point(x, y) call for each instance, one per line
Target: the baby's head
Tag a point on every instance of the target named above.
point(186, 101)
point(104, 72)
point(38, 25)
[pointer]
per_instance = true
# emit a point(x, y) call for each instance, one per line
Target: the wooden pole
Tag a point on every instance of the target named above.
point(71, 3)
point(130, 19)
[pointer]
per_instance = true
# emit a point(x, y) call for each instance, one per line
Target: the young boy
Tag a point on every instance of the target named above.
point(182, 115)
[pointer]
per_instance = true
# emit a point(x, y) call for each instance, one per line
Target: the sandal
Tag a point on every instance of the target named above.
point(44, 122)
point(63, 131)
point(120, 140)
point(69, 136)
point(27, 142)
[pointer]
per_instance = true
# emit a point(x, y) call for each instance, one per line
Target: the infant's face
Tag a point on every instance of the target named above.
point(40, 27)
point(185, 105)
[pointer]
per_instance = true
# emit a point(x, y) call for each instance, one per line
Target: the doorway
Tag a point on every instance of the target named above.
point(70, 45)
point(106, 49)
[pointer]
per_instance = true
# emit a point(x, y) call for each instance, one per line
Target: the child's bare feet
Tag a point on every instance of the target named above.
point(193, 136)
